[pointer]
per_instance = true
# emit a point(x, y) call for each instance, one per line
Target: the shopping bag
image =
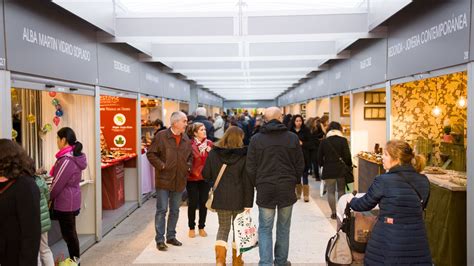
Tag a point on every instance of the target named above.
point(246, 235)
point(60, 261)
point(338, 251)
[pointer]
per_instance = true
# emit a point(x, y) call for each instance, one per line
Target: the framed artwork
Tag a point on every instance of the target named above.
point(374, 113)
point(345, 105)
point(374, 97)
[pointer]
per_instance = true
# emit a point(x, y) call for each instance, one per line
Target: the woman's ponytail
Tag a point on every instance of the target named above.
point(418, 162)
point(77, 149)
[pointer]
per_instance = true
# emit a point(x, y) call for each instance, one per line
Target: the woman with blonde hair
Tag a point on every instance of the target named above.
point(196, 187)
point(234, 192)
point(399, 236)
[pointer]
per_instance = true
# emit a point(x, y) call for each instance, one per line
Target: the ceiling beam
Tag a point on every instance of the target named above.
point(240, 59)
point(281, 38)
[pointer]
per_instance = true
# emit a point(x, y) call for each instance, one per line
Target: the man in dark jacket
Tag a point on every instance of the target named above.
point(201, 117)
point(275, 164)
point(171, 155)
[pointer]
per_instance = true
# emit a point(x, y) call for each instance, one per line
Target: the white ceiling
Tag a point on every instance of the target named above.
point(240, 49)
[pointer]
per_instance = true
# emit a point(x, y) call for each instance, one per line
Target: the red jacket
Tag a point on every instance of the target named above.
point(199, 160)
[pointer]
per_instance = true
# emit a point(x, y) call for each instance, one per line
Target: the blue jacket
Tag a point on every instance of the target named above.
point(399, 236)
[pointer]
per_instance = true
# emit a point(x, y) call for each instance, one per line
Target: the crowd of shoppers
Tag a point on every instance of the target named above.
point(270, 153)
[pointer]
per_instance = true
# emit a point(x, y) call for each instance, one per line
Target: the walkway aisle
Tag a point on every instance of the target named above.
point(132, 242)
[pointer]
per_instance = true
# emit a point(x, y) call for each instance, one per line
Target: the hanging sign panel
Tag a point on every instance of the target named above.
point(118, 67)
point(339, 77)
point(118, 123)
point(45, 40)
point(150, 80)
point(422, 39)
point(368, 63)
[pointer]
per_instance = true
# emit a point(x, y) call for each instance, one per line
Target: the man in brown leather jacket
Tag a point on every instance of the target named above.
point(171, 155)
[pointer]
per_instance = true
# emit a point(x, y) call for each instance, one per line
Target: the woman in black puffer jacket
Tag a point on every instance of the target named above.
point(399, 236)
point(234, 193)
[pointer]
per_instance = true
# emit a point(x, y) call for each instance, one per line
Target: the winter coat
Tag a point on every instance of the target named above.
point(315, 139)
point(235, 190)
point(44, 200)
point(199, 160)
point(275, 164)
point(172, 163)
point(65, 189)
point(330, 149)
point(219, 128)
point(304, 135)
point(20, 226)
point(399, 236)
point(209, 126)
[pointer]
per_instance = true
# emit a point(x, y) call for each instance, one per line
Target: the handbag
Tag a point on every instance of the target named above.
point(338, 251)
point(358, 227)
point(210, 196)
point(246, 235)
point(348, 175)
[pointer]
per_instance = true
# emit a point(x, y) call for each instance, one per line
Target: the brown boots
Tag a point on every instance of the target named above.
point(221, 250)
point(306, 193)
point(302, 188)
point(236, 261)
point(298, 191)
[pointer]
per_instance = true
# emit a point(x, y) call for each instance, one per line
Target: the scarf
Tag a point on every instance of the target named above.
point(61, 153)
point(334, 132)
point(202, 146)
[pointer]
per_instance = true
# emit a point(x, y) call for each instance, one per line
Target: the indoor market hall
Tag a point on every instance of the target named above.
point(236, 132)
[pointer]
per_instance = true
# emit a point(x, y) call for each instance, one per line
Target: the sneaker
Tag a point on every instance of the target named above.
point(161, 246)
point(192, 233)
point(202, 233)
point(174, 242)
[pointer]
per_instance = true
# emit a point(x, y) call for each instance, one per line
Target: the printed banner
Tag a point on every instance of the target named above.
point(118, 122)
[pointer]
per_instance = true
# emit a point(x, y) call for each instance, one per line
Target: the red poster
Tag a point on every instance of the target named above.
point(118, 119)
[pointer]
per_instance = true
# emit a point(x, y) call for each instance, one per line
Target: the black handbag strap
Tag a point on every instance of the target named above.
point(423, 203)
point(340, 158)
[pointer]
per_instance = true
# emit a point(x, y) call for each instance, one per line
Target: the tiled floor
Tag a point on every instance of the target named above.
point(132, 242)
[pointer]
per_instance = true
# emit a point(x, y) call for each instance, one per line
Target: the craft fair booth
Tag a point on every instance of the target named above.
point(120, 126)
point(176, 95)
point(428, 102)
point(52, 71)
point(151, 111)
point(368, 121)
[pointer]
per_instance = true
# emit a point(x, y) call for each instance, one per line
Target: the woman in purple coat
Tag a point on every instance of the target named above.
point(65, 189)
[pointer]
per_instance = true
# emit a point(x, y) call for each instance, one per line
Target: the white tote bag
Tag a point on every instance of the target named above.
point(246, 235)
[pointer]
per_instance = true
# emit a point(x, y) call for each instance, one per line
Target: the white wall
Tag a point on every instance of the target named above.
point(322, 106)
point(311, 109)
point(168, 108)
point(365, 133)
point(335, 112)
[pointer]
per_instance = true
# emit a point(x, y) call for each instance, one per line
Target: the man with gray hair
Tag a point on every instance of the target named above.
point(171, 155)
point(275, 164)
point(201, 117)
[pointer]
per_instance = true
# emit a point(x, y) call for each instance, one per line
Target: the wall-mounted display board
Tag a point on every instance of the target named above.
point(44, 40)
point(422, 39)
point(118, 67)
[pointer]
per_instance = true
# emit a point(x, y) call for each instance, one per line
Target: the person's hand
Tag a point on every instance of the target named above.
point(247, 209)
point(301, 143)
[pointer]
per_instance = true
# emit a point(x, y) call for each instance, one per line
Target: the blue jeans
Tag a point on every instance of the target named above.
point(163, 197)
point(266, 219)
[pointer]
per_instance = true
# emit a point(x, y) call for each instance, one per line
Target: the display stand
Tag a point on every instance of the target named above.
point(367, 171)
